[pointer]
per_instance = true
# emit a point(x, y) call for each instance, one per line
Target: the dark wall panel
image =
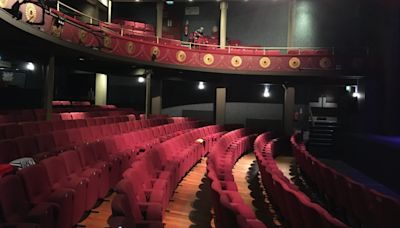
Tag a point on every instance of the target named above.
point(126, 92)
point(142, 12)
point(258, 23)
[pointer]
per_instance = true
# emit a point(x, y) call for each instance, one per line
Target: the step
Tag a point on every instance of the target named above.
point(321, 135)
point(319, 123)
point(324, 144)
point(320, 139)
point(322, 130)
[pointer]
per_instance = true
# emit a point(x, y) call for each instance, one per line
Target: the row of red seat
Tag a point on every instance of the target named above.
point(68, 103)
point(142, 199)
point(14, 130)
point(133, 25)
point(57, 191)
point(294, 205)
point(128, 28)
point(229, 207)
point(369, 207)
point(46, 144)
point(15, 116)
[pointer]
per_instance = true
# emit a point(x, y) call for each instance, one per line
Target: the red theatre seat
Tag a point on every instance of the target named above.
point(39, 190)
point(75, 170)
point(16, 208)
point(59, 178)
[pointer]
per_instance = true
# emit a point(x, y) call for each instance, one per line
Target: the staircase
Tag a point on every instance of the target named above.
point(322, 138)
point(323, 124)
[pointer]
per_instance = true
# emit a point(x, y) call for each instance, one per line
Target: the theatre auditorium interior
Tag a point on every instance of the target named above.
point(199, 113)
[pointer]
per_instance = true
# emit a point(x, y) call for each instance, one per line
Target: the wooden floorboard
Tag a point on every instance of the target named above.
point(99, 220)
point(283, 163)
point(240, 173)
point(191, 204)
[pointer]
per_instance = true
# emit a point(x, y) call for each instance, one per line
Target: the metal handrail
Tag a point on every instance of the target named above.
point(122, 32)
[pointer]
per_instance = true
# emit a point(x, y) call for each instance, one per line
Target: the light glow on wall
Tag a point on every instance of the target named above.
point(304, 24)
point(104, 2)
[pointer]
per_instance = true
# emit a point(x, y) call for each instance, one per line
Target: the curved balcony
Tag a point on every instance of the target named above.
point(117, 40)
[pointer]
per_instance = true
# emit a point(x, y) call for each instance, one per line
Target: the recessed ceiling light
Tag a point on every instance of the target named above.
point(266, 91)
point(30, 66)
point(201, 86)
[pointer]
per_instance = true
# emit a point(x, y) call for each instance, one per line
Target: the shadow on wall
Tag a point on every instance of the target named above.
point(205, 116)
point(262, 125)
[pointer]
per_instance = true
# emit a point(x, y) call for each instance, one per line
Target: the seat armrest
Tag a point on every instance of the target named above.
point(152, 211)
point(43, 210)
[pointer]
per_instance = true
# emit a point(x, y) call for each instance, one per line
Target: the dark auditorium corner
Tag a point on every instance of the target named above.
point(199, 113)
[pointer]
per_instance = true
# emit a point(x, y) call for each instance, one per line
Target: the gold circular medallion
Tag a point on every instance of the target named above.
point(155, 51)
point(325, 63)
point(208, 59)
point(180, 56)
point(130, 47)
point(30, 12)
point(107, 41)
point(294, 63)
point(236, 61)
point(82, 36)
point(3, 3)
point(265, 62)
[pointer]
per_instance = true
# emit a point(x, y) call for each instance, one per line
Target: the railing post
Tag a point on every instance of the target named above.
point(90, 20)
point(58, 5)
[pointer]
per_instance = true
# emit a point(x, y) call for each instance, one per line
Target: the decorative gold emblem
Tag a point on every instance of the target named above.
point(180, 56)
point(107, 41)
point(155, 51)
point(82, 36)
point(30, 12)
point(208, 59)
point(325, 63)
point(130, 47)
point(3, 3)
point(236, 61)
point(265, 62)
point(294, 63)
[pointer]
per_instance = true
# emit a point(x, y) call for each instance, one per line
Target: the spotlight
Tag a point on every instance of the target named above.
point(169, 2)
point(141, 79)
point(356, 94)
point(30, 66)
point(201, 86)
point(266, 91)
